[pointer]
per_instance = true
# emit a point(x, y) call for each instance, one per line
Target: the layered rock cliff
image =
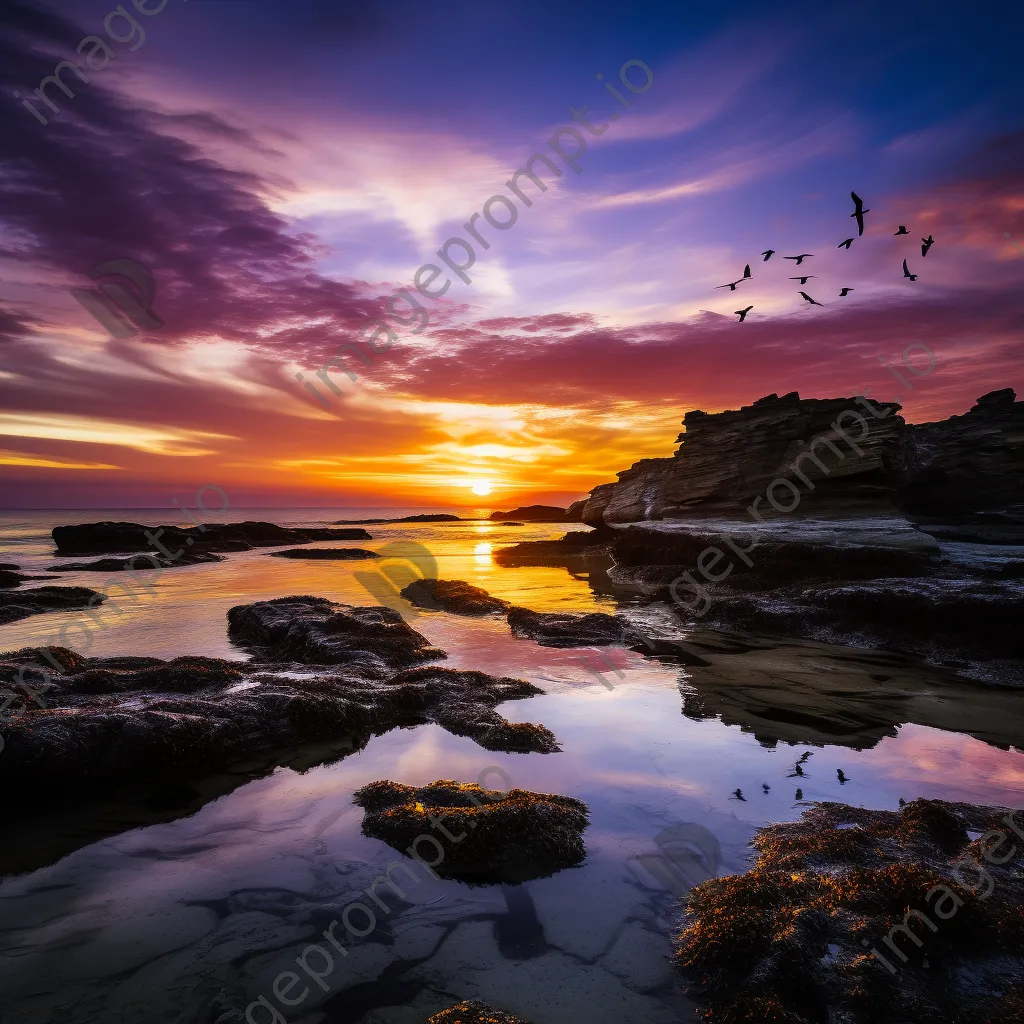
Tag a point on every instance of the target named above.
point(848, 457)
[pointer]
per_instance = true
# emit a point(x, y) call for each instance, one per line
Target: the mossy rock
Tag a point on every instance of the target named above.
point(486, 836)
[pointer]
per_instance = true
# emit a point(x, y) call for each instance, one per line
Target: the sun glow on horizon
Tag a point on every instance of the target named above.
point(480, 487)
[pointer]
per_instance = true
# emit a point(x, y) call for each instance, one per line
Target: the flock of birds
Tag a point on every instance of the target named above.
point(797, 772)
point(858, 215)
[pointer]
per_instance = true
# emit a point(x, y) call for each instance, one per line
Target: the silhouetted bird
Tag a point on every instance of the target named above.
point(746, 271)
point(803, 757)
point(804, 279)
point(731, 285)
point(842, 777)
point(845, 292)
point(742, 313)
point(768, 254)
point(765, 786)
point(799, 794)
point(858, 212)
point(903, 803)
point(809, 299)
point(739, 795)
point(797, 770)
point(847, 242)
point(907, 273)
point(799, 259)
point(902, 231)
point(926, 244)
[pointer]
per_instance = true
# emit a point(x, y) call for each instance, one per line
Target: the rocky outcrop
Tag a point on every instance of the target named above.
point(315, 631)
point(849, 457)
point(505, 837)
point(118, 538)
point(136, 563)
point(538, 514)
point(326, 554)
point(455, 596)
point(866, 917)
point(557, 629)
point(130, 725)
point(23, 603)
point(425, 518)
point(970, 469)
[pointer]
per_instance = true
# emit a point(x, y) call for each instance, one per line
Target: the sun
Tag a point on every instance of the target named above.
point(481, 487)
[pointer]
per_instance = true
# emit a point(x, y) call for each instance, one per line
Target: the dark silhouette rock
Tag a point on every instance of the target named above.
point(505, 837)
point(557, 629)
point(455, 596)
point(326, 554)
point(535, 514)
point(23, 603)
point(424, 518)
point(10, 578)
point(115, 537)
point(137, 563)
point(568, 550)
point(314, 631)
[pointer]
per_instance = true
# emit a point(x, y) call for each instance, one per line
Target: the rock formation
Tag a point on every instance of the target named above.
point(541, 514)
point(455, 596)
point(505, 837)
point(862, 459)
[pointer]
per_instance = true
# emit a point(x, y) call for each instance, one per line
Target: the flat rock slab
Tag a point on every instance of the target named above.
point(487, 837)
point(455, 596)
point(37, 601)
point(314, 631)
point(118, 537)
point(472, 1011)
point(808, 933)
point(140, 562)
point(326, 554)
point(555, 629)
point(136, 725)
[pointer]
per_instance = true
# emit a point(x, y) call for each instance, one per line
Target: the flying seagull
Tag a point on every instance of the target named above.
point(926, 244)
point(858, 212)
point(806, 754)
point(799, 259)
point(841, 776)
point(742, 313)
point(799, 794)
point(907, 273)
point(845, 292)
point(847, 242)
point(804, 279)
point(768, 254)
point(797, 770)
point(809, 299)
point(902, 231)
point(746, 272)
point(731, 285)
point(765, 787)
point(738, 794)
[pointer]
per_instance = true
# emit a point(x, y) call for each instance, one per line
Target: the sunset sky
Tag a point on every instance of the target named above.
point(283, 167)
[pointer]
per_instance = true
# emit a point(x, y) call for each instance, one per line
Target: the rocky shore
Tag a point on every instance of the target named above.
point(831, 519)
point(869, 917)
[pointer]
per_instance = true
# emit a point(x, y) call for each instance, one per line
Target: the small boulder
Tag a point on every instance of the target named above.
point(455, 596)
point(487, 837)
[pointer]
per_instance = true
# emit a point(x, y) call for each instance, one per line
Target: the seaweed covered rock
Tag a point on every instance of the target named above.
point(868, 917)
point(472, 1011)
point(574, 549)
point(314, 631)
point(455, 596)
point(326, 554)
point(488, 837)
point(557, 629)
point(23, 603)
